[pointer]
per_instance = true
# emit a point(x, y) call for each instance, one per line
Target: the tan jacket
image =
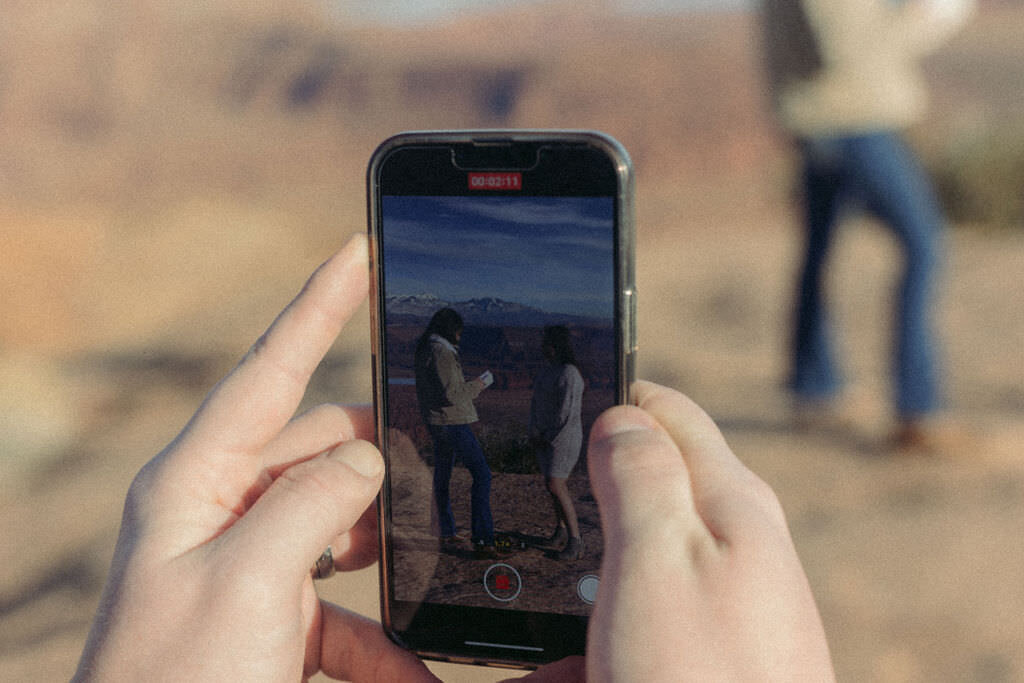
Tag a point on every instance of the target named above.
point(444, 395)
point(844, 66)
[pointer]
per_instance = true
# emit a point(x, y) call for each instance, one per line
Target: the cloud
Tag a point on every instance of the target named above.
point(540, 251)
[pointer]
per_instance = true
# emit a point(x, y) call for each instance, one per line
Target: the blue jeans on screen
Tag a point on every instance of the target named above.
point(451, 441)
point(879, 173)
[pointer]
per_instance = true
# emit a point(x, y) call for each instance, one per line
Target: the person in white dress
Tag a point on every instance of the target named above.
point(556, 432)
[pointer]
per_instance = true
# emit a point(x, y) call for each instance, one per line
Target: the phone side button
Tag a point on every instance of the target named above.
point(631, 326)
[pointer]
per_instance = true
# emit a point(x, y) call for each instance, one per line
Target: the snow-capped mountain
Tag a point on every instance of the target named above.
point(417, 305)
point(485, 311)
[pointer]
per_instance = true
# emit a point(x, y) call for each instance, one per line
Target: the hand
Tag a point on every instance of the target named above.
point(700, 580)
point(210, 579)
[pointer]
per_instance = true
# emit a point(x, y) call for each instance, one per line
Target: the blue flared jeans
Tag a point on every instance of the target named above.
point(451, 441)
point(879, 173)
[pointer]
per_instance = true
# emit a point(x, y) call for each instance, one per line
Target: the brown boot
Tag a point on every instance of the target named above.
point(932, 437)
point(573, 549)
point(558, 539)
point(484, 551)
point(451, 545)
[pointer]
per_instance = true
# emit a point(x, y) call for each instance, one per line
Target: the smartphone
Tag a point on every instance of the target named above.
point(503, 307)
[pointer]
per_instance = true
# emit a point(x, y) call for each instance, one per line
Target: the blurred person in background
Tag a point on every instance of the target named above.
point(845, 82)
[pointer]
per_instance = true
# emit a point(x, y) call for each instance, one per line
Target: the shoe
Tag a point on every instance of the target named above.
point(573, 549)
point(559, 538)
point(484, 551)
point(821, 416)
point(451, 544)
point(931, 437)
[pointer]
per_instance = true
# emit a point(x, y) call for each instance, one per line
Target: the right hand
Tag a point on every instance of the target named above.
point(700, 580)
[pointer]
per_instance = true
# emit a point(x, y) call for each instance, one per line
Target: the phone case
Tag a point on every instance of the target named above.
point(624, 318)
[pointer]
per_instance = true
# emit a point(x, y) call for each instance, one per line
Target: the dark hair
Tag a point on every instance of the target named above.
point(560, 341)
point(445, 323)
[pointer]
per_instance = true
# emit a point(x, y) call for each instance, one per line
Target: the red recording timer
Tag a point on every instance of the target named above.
point(495, 181)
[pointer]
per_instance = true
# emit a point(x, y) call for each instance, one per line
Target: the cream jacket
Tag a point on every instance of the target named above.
point(444, 395)
point(844, 66)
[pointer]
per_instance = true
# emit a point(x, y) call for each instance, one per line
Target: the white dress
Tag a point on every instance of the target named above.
point(555, 418)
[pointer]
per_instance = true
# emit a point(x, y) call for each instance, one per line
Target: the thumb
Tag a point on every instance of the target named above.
point(309, 505)
point(640, 480)
point(651, 531)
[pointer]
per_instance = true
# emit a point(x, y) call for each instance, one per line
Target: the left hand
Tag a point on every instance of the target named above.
point(210, 579)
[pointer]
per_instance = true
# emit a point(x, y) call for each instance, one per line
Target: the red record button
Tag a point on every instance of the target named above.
point(502, 582)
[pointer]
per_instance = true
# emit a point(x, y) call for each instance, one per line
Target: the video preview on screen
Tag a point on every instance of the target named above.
point(499, 321)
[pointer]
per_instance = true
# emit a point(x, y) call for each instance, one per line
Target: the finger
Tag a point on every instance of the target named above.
point(320, 429)
point(568, 670)
point(652, 530)
point(358, 547)
point(730, 498)
point(355, 648)
point(641, 483)
point(691, 428)
point(307, 507)
point(315, 431)
point(257, 399)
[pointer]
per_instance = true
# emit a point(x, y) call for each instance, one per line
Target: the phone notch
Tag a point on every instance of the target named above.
point(496, 154)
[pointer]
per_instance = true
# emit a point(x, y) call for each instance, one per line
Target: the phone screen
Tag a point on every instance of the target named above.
point(501, 304)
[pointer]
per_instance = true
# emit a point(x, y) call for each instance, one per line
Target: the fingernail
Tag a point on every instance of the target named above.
point(360, 456)
point(357, 247)
point(621, 421)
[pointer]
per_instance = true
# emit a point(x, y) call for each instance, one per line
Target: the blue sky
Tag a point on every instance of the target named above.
point(406, 11)
point(552, 253)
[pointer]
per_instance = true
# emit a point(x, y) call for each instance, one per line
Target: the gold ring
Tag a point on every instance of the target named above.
point(324, 566)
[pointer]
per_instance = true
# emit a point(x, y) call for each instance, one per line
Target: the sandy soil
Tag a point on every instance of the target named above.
point(522, 513)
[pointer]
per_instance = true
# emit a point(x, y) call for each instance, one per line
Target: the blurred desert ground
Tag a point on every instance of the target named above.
point(170, 172)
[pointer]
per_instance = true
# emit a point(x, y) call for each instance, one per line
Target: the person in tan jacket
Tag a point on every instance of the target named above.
point(845, 83)
point(446, 404)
